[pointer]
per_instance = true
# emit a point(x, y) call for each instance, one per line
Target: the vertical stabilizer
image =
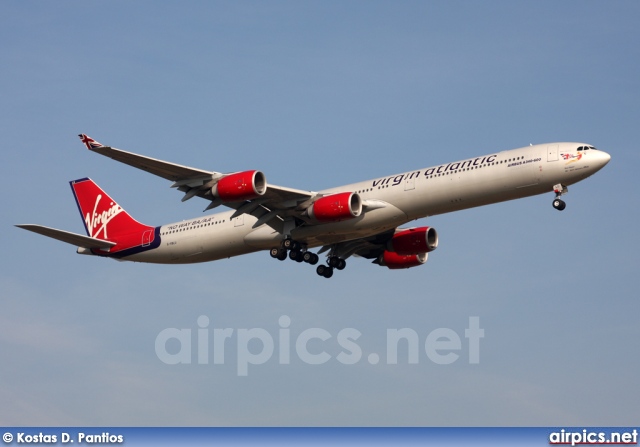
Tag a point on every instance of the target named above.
point(103, 218)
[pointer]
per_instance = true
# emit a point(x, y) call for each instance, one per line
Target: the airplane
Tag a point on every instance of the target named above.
point(362, 219)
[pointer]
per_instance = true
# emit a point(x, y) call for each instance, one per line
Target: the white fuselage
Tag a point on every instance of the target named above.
point(389, 202)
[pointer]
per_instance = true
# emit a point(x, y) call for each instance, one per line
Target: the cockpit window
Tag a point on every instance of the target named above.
point(591, 147)
point(581, 148)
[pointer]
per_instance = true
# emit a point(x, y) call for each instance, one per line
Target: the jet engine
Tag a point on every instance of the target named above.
point(413, 241)
point(336, 207)
point(395, 261)
point(240, 186)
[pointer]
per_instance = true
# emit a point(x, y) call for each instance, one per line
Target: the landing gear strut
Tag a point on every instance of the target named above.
point(560, 190)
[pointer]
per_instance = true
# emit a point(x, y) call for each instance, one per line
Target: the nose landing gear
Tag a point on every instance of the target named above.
point(559, 204)
point(560, 190)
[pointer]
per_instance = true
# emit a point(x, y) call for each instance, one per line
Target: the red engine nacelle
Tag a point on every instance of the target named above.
point(336, 207)
point(414, 241)
point(395, 261)
point(240, 186)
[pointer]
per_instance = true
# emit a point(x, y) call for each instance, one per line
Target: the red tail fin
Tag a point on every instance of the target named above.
point(105, 219)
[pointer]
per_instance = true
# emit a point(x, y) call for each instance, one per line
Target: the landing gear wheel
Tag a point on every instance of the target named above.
point(278, 253)
point(295, 255)
point(559, 204)
point(337, 262)
point(290, 244)
point(310, 258)
point(325, 271)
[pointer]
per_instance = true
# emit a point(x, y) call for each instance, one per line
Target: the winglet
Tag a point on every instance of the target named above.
point(89, 142)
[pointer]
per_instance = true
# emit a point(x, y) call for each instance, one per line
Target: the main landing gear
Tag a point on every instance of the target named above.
point(333, 262)
point(278, 253)
point(297, 252)
point(560, 190)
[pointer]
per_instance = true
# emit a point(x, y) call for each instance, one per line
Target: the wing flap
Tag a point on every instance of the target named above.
point(284, 197)
point(78, 240)
point(369, 247)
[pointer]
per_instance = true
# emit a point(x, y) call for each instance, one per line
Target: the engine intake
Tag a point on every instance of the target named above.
point(414, 241)
point(240, 186)
point(336, 207)
point(395, 261)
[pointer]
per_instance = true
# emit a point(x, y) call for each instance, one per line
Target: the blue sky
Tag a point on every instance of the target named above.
point(318, 94)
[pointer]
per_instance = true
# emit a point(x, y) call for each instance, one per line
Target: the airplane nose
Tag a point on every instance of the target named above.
point(603, 158)
point(598, 159)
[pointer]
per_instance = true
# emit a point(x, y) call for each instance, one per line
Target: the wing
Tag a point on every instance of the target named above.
point(369, 247)
point(396, 249)
point(70, 238)
point(276, 201)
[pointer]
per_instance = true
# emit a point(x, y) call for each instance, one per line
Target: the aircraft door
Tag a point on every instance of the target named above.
point(552, 152)
point(147, 237)
point(410, 183)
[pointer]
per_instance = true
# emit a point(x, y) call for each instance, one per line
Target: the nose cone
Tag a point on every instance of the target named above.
point(602, 159)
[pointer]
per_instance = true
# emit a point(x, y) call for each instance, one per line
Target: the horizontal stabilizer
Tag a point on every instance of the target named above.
point(78, 240)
